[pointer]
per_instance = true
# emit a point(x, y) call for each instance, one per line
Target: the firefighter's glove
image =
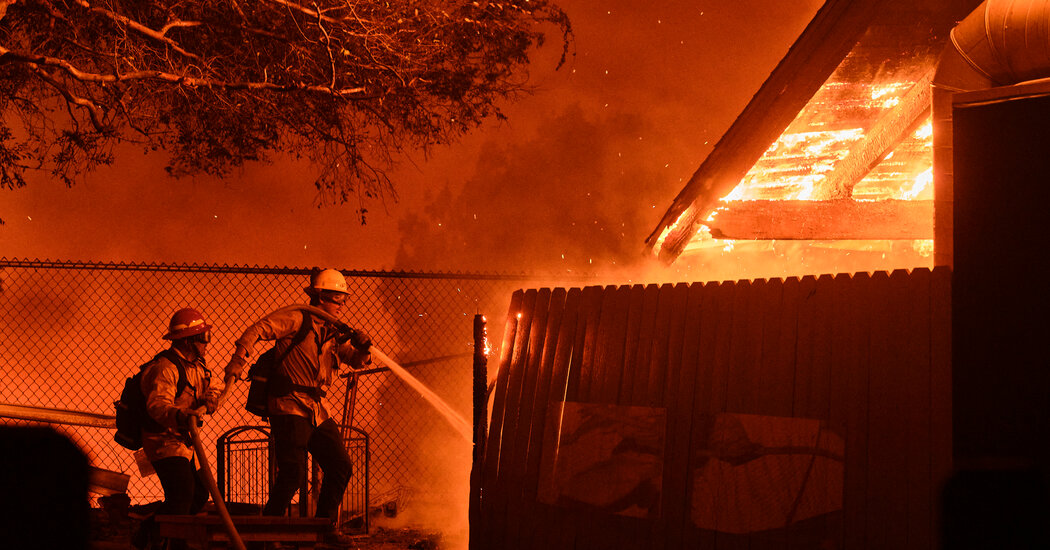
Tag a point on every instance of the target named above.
point(361, 341)
point(357, 338)
point(184, 417)
point(235, 367)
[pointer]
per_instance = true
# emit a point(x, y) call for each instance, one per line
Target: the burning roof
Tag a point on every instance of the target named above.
point(839, 136)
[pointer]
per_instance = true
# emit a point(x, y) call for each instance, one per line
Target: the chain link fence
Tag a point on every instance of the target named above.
point(72, 332)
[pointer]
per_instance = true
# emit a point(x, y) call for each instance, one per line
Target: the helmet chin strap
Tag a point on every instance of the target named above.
point(189, 349)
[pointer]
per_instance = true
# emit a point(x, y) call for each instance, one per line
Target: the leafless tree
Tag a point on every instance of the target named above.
point(347, 84)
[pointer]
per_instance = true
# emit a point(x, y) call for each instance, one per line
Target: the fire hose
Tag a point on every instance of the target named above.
point(213, 488)
point(457, 422)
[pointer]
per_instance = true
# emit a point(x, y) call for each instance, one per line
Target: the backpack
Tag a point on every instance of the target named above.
point(260, 373)
point(132, 417)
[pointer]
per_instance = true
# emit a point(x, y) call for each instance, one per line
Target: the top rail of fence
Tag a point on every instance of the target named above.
point(268, 270)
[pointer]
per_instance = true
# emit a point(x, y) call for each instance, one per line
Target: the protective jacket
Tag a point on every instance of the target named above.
point(309, 367)
point(159, 380)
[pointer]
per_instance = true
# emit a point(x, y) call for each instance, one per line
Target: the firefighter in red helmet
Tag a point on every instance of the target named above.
point(178, 388)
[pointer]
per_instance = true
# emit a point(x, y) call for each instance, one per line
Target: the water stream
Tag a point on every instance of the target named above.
point(457, 422)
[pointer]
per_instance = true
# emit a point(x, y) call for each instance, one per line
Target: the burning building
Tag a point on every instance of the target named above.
point(901, 408)
point(833, 160)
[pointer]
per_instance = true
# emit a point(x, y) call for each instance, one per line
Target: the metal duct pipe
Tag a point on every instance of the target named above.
point(1006, 41)
point(1002, 42)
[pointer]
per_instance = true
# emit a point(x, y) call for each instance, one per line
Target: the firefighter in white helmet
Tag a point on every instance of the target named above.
point(311, 351)
point(178, 388)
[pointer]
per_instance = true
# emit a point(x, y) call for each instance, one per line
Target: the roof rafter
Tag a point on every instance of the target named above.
point(841, 219)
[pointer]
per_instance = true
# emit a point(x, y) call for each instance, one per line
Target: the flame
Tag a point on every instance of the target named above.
point(923, 181)
point(796, 164)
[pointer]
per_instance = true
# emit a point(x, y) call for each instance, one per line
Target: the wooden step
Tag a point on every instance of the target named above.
point(208, 531)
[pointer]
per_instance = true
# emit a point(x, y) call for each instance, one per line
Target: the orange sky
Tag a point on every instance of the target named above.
point(574, 181)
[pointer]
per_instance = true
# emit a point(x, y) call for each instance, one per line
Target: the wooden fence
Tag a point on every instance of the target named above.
point(798, 413)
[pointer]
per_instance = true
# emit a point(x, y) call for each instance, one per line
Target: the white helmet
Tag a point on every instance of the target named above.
point(328, 279)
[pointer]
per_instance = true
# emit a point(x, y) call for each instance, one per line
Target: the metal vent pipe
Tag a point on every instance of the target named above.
point(1006, 41)
point(1000, 43)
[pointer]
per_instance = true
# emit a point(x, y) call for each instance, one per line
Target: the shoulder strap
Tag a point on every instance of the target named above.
point(176, 360)
point(300, 335)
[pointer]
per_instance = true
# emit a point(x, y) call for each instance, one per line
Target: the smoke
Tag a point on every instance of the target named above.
point(575, 196)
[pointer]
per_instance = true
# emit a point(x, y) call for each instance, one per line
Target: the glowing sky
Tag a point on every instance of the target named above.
point(575, 180)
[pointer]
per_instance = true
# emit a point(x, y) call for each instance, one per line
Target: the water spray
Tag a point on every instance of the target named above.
point(454, 419)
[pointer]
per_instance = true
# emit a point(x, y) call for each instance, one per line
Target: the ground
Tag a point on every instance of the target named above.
point(112, 531)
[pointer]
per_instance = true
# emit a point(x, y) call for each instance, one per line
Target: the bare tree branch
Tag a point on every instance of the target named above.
point(144, 29)
point(305, 10)
point(92, 109)
point(348, 85)
point(35, 60)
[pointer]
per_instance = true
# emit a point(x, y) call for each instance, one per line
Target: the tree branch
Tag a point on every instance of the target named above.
point(31, 59)
point(328, 45)
point(135, 25)
point(306, 10)
point(92, 109)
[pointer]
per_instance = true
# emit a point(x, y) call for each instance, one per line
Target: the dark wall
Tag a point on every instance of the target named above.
point(998, 497)
point(1000, 297)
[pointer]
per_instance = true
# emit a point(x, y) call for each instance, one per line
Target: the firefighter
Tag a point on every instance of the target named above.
point(173, 400)
point(312, 349)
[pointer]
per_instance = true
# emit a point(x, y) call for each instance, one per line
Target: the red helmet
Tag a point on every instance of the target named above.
point(186, 322)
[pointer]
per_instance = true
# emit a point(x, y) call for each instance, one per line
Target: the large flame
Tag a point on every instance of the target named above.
point(811, 147)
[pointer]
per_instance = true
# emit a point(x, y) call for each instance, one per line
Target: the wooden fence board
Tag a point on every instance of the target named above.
point(833, 356)
point(608, 530)
point(743, 357)
point(708, 389)
point(508, 388)
point(550, 520)
point(504, 491)
point(654, 396)
point(545, 386)
point(641, 312)
point(591, 318)
point(940, 389)
point(489, 511)
point(746, 347)
point(570, 521)
point(887, 484)
point(519, 403)
point(612, 344)
point(631, 344)
point(674, 510)
point(779, 331)
point(856, 297)
point(915, 383)
point(590, 304)
point(523, 530)
point(722, 361)
point(771, 396)
point(643, 363)
point(584, 526)
point(809, 321)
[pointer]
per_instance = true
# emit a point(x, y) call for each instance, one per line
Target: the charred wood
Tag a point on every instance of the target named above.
point(843, 219)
